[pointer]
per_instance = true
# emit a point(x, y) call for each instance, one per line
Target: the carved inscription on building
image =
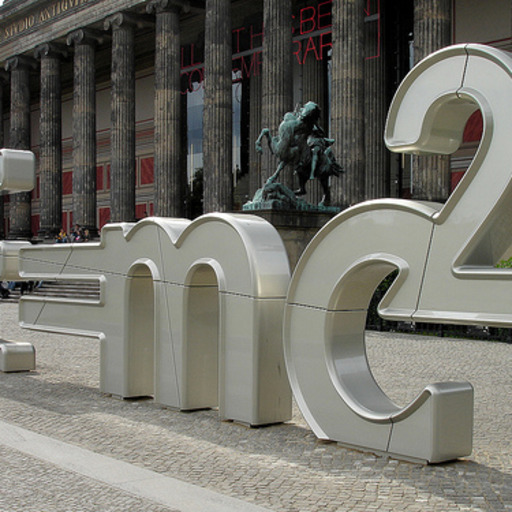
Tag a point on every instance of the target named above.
point(39, 16)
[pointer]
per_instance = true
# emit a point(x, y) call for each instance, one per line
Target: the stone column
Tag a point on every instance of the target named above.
point(347, 103)
point(84, 129)
point(255, 181)
point(3, 80)
point(122, 164)
point(169, 180)
point(20, 203)
point(377, 180)
point(277, 74)
point(4, 76)
point(50, 158)
point(217, 116)
point(432, 31)
point(313, 89)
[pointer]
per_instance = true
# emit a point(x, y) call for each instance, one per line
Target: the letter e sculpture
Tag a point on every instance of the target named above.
point(17, 174)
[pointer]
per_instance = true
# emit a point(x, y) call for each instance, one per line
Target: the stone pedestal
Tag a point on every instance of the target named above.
point(296, 228)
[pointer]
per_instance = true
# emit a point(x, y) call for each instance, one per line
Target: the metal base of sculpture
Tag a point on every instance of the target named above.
point(17, 356)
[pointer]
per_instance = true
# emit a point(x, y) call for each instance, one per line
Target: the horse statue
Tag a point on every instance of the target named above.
point(301, 144)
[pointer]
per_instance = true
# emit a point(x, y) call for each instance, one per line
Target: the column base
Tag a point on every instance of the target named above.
point(47, 234)
point(21, 235)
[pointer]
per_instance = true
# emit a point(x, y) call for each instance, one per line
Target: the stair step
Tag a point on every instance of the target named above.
point(59, 289)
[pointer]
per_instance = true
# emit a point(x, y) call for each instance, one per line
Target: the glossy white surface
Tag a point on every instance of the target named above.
point(9, 259)
point(17, 170)
point(445, 255)
point(17, 174)
point(189, 312)
point(17, 357)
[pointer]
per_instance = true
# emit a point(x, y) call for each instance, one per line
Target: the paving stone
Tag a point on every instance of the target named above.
point(282, 467)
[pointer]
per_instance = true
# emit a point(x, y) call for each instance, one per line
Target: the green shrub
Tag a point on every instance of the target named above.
point(505, 263)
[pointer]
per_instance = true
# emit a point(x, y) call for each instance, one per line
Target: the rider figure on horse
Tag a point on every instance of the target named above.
point(302, 144)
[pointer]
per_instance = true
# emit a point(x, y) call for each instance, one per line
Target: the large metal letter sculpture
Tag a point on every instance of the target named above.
point(445, 256)
point(187, 308)
point(17, 170)
point(189, 312)
point(473, 229)
point(17, 174)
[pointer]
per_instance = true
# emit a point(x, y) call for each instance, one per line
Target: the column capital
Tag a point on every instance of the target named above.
point(19, 62)
point(126, 19)
point(85, 36)
point(50, 50)
point(158, 6)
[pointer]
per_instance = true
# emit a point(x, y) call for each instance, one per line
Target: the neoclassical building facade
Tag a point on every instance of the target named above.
point(137, 108)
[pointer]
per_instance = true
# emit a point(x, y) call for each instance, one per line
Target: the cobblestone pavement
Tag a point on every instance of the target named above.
point(282, 467)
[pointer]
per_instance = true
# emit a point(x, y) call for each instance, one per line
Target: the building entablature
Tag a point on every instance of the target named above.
point(26, 25)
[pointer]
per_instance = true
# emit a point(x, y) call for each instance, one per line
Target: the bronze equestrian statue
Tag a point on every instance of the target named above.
point(302, 144)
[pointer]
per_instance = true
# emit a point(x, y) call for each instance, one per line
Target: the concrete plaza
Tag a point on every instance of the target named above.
point(64, 446)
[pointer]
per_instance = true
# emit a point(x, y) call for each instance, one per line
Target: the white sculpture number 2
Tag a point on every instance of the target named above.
point(211, 293)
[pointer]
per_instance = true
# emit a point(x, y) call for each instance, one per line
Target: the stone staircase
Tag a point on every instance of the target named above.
point(59, 289)
point(14, 296)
